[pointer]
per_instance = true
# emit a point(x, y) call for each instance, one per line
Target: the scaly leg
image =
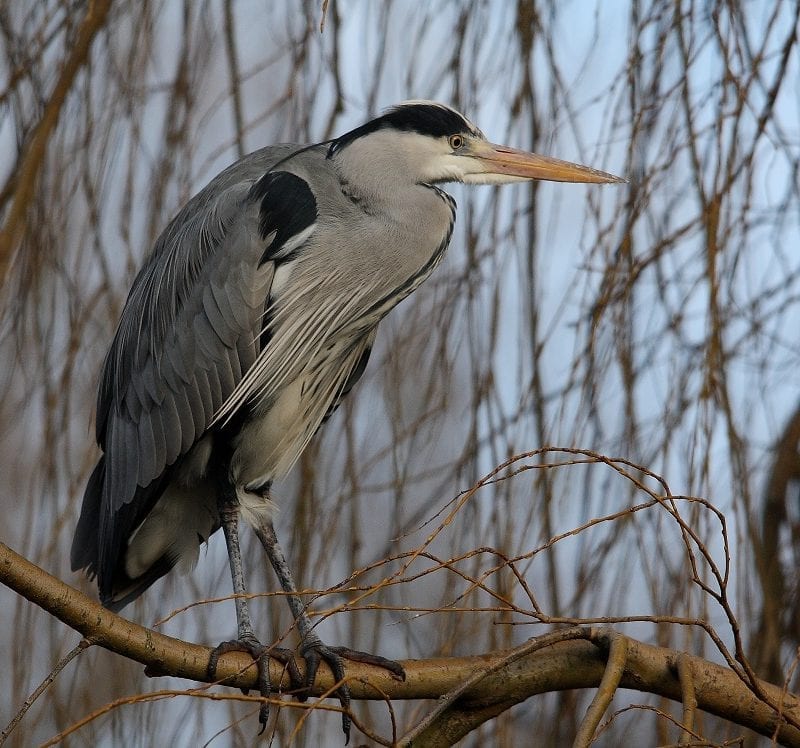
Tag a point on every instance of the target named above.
point(246, 640)
point(311, 647)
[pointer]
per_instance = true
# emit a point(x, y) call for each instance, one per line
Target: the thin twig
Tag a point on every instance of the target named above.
point(42, 687)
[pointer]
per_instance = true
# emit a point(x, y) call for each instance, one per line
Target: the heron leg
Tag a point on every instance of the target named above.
point(246, 640)
point(312, 648)
point(229, 516)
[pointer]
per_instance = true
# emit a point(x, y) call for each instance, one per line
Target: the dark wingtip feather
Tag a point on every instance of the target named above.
point(124, 590)
point(84, 552)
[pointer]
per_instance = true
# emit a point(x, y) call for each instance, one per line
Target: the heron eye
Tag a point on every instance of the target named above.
point(456, 141)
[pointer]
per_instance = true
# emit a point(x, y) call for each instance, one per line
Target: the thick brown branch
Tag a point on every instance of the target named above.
point(615, 667)
point(565, 665)
point(688, 697)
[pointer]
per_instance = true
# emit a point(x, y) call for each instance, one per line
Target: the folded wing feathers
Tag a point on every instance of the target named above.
point(308, 320)
point(161, 384)
point(198, 361)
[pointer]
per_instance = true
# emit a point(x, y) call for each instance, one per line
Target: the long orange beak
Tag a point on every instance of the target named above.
point(504, 162)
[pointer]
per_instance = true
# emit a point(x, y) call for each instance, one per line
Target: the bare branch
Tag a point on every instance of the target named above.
point(615, 667)
point(688, 698)
point(481, 686)
point(34, 156)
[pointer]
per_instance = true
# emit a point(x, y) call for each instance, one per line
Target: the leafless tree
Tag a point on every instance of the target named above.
point(587, 417)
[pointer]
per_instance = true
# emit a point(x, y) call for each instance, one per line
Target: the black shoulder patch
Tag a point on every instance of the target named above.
point(288, 207)
point(426, 118)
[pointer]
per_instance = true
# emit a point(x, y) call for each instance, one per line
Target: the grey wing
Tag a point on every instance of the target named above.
point(190, 329)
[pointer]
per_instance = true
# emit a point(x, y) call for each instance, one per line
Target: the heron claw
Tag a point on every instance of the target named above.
point(315, 651)
point(261, 656)
point(355, 655)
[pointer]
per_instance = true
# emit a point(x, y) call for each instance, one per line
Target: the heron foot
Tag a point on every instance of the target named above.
point(314, 652)
point(261, 656)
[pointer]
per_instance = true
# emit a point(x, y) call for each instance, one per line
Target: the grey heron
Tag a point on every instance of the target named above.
point(252, 317)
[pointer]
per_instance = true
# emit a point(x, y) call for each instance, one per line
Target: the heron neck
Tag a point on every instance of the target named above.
point(384, 184)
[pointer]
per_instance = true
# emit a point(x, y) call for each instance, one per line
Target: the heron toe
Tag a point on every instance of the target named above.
point(261, 655)
point(315, 652)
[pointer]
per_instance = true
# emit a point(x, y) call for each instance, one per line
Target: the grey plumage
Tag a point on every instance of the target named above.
point(251, 318)
point(187, 354)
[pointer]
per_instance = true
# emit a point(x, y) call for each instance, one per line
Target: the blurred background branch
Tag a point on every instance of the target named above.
point(656, 323)
point(19, 187)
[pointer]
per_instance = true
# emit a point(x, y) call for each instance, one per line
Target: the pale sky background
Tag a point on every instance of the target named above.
point(584, 116)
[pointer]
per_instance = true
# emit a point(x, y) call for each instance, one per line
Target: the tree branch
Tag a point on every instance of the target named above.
point(615, 668)
point(510, 677)
point(34, 155)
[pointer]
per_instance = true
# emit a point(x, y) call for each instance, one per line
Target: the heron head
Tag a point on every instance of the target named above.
point(432, 143)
